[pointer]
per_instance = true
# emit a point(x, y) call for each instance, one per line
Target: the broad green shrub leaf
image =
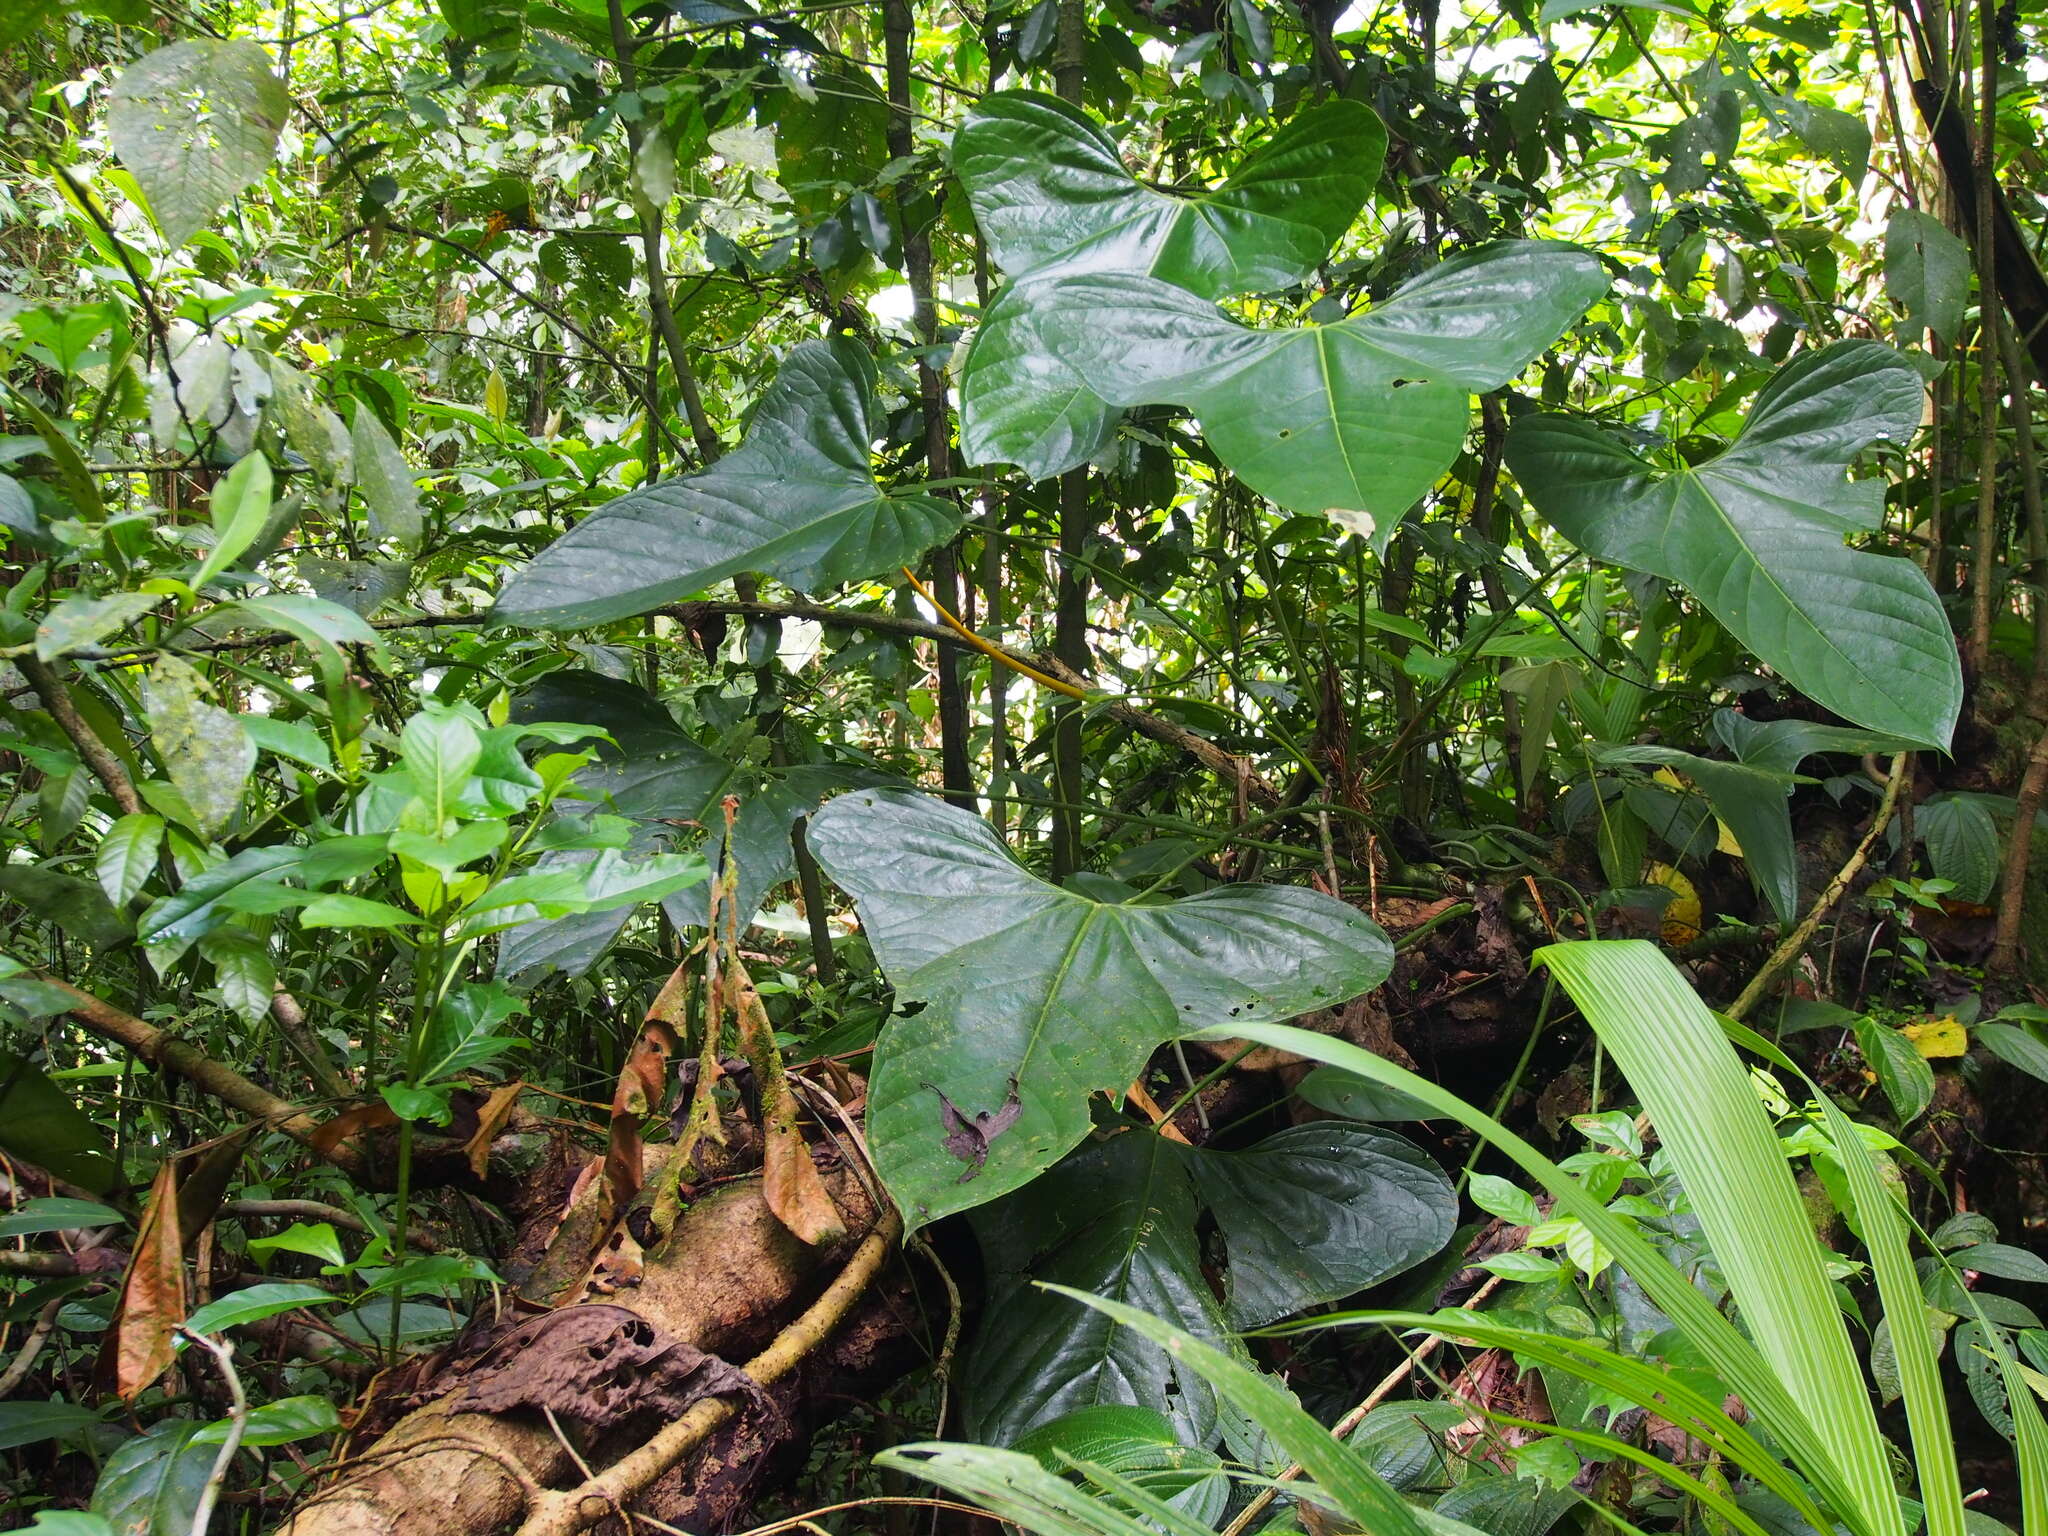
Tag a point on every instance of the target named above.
point(1926, 272)
point(1310, 1214)
point(1355, 419)
point(1757, 533)
point(238, 508)
point(1051, 195)
point(253, 1303)
point(57, 1213)
point(127, 854)
point(1506, 1506)
point(797, 501)
point(196, 123)
point(1033, 997)
point(27, 1423)
point(83, 621)
point(385, 481)
point(39, 1122)
point(1962, 842)
point(279, 1423)
point(1050, 192)
point(170, 925)
point(150, 1486)
point(1783, 745)
point(2015, 1045)
point(1902, 1072)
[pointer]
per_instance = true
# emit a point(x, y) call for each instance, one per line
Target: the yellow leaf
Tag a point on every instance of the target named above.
point(1938, 1037)
point(1725, 841)
point(1669, 779)
point(495, 400)
point(1683, 915)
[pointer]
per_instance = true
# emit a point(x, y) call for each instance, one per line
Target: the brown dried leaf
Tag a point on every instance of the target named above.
point(789, 1179)
point(138, 1347)
point(643, 1084)
point(490, 1120)
point(203, 1188)
point(349, 1124)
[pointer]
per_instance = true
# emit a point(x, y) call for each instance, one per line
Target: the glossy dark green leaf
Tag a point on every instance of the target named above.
point(151, 1485)
point(29, 1422)
point(1963, 844)
point(1756, 534)
point(1116, 1219)
point(1783, 745)
point(797, 501)
point(1051, 193)
point(1902, 1072)
point(1035, 997)
point(1309, 1215)
point(1355, 419)
point(39, 1122)
point(1316, 1212)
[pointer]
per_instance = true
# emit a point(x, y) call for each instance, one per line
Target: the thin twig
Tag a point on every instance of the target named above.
point(238, 1423)
point(32, 1346)
point(1795, 942)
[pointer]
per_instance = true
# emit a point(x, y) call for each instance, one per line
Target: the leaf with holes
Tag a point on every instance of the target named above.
point(1355, 419)
point(1756, 534)
point(1021, 1000)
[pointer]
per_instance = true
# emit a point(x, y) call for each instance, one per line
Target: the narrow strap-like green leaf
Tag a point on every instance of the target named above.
point(1727, 1351)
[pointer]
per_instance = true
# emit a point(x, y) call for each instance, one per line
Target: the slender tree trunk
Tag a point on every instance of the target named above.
point(1070, 601)
point(1984, 563)
point(898, 26)
point(2019, 853)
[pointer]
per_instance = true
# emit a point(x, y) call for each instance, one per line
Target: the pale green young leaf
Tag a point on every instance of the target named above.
point(203, 748)
point(77, 622)
point(239, 508)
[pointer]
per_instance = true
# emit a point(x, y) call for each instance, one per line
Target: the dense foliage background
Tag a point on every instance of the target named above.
point(687, 695)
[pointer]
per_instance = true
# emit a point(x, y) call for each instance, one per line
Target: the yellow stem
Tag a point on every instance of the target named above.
point(993, 652)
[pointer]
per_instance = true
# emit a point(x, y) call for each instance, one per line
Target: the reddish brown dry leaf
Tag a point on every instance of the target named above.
point(138, 1347)
point(789, 1179)
point(490, 1120)
point(351, 1123)
point(643, 1084)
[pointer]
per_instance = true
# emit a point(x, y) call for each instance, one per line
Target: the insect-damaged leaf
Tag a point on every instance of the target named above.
point(1756, 534)
point(1355, 419)
point(797, 501)
point(197, 122)
point(1047, 993)
point(203, 749)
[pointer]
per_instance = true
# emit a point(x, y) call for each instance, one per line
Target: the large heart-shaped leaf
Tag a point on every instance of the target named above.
point(797, 501)
point(1356, 418)
point(1307, 1216)
point(1035, 998)
point(1050, 192)
point(1756, 534)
